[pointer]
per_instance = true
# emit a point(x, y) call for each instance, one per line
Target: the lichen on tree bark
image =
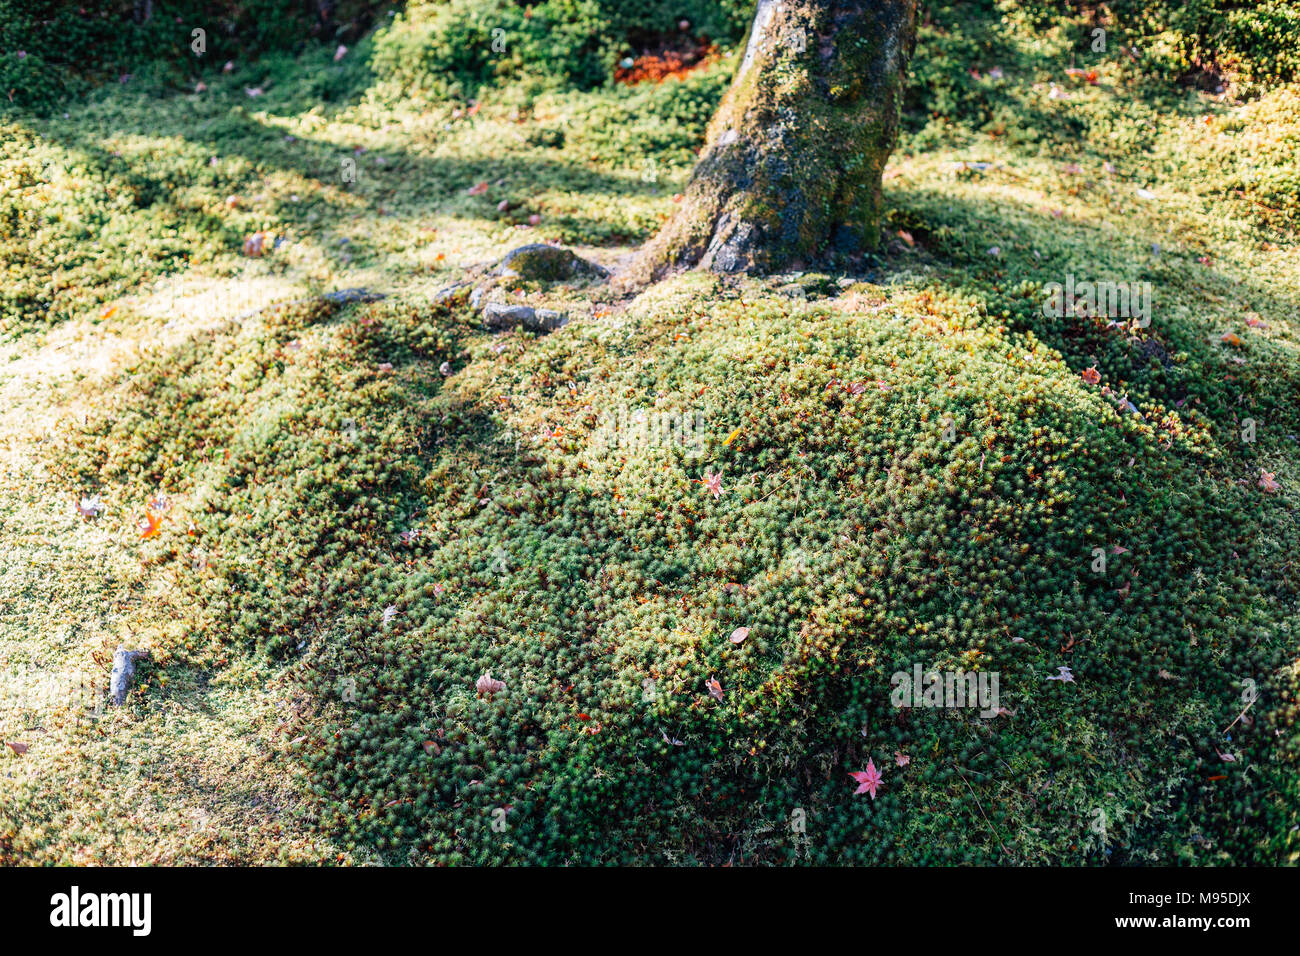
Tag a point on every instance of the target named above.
point(792, 164)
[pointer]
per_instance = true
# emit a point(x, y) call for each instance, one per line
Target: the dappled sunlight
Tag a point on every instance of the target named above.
point(634, 572)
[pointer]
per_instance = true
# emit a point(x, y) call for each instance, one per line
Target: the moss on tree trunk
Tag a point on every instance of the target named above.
point(792, 164)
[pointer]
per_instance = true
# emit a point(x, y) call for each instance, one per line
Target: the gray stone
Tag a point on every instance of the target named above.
point(448, 292)
point(119, 681)
point(502, 318)
point(348, 296)
point(547, 264)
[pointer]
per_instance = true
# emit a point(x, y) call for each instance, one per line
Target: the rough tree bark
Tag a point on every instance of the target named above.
point(792, 164)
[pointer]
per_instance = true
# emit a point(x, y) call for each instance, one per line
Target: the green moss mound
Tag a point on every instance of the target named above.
point(456, 48)
point(911, 481)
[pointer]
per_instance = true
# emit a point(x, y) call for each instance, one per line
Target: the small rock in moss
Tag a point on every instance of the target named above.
point(348, 296)
point(119, 681)
point(545, 263)
point(503, 318)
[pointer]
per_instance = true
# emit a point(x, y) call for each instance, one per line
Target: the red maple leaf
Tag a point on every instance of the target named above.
point(868, 780)
point(713, 483)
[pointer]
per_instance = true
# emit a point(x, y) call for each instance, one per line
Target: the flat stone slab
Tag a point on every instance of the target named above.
point(348, 296)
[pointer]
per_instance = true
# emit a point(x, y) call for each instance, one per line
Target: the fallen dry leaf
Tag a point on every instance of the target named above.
point(487, 684)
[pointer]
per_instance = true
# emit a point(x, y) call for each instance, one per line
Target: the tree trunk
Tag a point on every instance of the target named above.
point(793, 158)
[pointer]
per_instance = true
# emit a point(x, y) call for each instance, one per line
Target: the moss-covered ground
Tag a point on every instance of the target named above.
point(328, 521)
